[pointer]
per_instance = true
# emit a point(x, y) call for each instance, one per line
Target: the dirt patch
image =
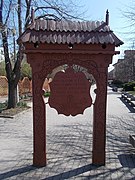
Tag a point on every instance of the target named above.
point(13, 111)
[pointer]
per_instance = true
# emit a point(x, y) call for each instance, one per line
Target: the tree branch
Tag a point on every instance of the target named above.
point(6, 54)
point(1, 7)
point(60, 12)
point(27, 19)
point(10, 4)
point(17, 67)
point(50, 15)
point(19, 12)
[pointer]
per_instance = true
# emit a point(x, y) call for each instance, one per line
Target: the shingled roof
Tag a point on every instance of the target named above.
point(64, 31)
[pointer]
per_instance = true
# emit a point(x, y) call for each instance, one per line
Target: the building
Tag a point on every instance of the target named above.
point(124, 69)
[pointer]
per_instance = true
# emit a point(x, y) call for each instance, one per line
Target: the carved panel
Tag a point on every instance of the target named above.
point(70, 93)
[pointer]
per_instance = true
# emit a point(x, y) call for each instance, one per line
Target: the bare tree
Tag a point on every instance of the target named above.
point(15, 16)
point(129, 16)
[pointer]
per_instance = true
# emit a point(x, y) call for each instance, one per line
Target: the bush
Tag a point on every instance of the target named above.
point(129, 86)
point(22, 104)
point(3, 106)
point(47, 94)
point(2, 69)
point(117, 83)
point(26, 70)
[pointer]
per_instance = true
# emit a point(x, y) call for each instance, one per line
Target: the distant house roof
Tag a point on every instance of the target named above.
point(64, 31)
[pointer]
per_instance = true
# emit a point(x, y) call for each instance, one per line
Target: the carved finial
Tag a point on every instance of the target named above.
point(107, 17)
point(32, 15)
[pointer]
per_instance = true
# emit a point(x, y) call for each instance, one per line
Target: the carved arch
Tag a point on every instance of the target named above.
point(49, 65)
point(42, 64)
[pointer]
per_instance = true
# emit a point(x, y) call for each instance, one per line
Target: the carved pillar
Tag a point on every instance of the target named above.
point(39, 109)
point(44, 64)
point(39, 123)
point(99, 120)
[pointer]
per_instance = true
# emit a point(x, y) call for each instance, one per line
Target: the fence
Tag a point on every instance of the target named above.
point(25, 86)
point(3, 86)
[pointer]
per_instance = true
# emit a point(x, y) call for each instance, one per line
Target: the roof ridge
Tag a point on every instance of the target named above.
point(66, 25)
point(102, 26)
point(87, 32)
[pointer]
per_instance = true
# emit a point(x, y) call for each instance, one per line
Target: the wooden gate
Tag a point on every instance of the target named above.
point(49, 44)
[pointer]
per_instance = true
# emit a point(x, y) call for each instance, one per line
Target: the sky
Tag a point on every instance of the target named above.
point(96, 10)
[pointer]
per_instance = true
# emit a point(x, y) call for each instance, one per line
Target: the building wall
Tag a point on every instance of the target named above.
point(124, 69)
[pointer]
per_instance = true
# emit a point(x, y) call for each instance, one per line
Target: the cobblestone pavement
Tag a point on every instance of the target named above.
point(69, 146)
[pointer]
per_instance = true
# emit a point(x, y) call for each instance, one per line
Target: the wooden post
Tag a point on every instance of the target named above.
point(99, 122)
point(39, 124)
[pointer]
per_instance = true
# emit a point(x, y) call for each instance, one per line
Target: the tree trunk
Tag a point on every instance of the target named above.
point(12, 95)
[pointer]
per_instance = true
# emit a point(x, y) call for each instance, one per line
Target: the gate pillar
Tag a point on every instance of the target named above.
point(39, 113)
point(99, 120)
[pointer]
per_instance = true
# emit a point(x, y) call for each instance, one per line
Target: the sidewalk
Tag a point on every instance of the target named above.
point(69, 146)
point(3, 99)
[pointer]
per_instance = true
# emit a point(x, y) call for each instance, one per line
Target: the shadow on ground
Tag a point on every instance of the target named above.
point(16, 172)
point(127, 160)
point(69, 153)
point(73, 173)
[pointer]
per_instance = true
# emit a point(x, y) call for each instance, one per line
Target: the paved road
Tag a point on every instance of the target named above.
point(69, 145)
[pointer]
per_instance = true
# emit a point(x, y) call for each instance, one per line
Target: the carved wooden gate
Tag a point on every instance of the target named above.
point(49, 44)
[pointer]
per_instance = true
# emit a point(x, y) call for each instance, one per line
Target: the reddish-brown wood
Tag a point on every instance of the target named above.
point(70, 93)
point(50, 44)
point(47, 57)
